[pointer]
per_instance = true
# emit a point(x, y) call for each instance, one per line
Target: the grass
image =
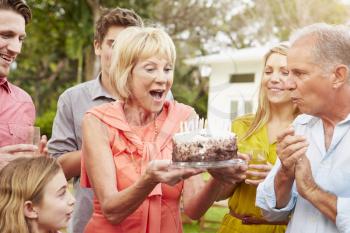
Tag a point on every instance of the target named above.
point(209, 223)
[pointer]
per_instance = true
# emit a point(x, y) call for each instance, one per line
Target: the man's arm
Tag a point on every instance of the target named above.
point(325, 202)
point(266, 197)
point(283, 186)
point(70, 163)
point(337, 209)
point(289, 149)
point(308, 189)
point(63, 142)
point(275, 196)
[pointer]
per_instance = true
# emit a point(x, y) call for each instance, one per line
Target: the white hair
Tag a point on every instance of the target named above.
point(332, 44)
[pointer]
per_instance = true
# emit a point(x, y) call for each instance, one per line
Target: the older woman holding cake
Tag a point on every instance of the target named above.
point(127, 144)
point(256, 136)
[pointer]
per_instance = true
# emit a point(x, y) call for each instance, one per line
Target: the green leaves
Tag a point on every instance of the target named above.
point(58, 51)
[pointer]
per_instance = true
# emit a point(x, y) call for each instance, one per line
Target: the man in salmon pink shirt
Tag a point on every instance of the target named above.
point(16, 107)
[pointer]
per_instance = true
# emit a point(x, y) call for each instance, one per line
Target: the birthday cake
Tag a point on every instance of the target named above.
point(203, 146)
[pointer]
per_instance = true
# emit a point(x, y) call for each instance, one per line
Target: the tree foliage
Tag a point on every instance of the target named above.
point(58, 51)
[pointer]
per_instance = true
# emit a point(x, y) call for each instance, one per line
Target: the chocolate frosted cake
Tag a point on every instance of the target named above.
point(204, 147)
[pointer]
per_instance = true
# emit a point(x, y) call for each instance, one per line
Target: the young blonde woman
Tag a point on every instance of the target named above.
point(34, 197)
point(257, 132)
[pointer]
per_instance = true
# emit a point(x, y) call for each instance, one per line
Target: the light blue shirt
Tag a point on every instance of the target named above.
point(330, 170)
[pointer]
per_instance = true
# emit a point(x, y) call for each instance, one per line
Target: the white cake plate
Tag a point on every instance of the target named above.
point(214, 164)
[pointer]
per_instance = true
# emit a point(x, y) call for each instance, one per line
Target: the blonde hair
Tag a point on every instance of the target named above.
point(23, 179)
point(263, 112)
point(133, 44)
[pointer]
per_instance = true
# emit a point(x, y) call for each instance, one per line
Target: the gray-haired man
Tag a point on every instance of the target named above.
point(312, 177)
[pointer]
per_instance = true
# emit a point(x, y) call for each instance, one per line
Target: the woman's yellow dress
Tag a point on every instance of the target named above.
point(242, 202)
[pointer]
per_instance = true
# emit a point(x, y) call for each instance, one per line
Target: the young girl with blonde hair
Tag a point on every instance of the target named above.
point(34, 197)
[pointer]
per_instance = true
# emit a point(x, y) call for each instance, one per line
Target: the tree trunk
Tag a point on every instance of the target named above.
point(92, 64)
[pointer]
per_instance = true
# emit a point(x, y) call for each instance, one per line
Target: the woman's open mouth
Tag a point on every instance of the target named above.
point(157, 94)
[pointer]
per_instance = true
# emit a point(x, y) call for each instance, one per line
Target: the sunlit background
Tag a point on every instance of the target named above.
point(58, 51)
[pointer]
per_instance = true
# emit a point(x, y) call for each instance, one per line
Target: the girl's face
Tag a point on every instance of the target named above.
point(151, 80)
point(56, 207)
point(275, 75)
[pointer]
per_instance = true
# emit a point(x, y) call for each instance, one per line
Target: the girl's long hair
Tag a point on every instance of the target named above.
point(23, 179)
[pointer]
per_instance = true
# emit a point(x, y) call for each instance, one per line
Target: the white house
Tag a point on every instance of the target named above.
point(234, 78)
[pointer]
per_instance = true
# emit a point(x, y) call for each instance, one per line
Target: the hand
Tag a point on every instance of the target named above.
point(161, 171)
point(290, 148)
point(11, 152)
point(5, 159)
point(43, 146)
point(303, 177)
point(233, 174)
point(260, 171)
point(18, 148)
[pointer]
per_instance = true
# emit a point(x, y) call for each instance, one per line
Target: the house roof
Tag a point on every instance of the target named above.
point(227, 56)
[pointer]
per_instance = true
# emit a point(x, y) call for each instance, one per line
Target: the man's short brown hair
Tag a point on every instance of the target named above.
point(115, 17)
point(18, 6)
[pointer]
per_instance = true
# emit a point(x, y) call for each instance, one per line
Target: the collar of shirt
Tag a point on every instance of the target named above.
point(305, 119)
point(98, 91)
point(346, 120)
point(4, 84)
point(340, 130)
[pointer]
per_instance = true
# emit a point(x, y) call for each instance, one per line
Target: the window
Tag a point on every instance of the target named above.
point(235, 112)
point(242, 78)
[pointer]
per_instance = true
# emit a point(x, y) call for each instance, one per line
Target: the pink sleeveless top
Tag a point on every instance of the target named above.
point(132, 150)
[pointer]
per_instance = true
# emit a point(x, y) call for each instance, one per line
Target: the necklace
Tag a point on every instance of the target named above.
point(155, 129)
point(135, 164)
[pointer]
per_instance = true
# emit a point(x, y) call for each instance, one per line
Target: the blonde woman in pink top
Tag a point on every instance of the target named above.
point(127, 144)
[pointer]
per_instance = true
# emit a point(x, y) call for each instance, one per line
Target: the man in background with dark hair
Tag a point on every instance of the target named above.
point(17, 110)
point(74, 102)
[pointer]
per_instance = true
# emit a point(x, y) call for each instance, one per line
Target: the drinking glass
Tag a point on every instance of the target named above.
point(33, 136)
point(257, 156)
point(26, 135)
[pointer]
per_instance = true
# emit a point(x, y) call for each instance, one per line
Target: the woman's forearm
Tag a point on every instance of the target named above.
point(120, 205)
point(214, 190)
